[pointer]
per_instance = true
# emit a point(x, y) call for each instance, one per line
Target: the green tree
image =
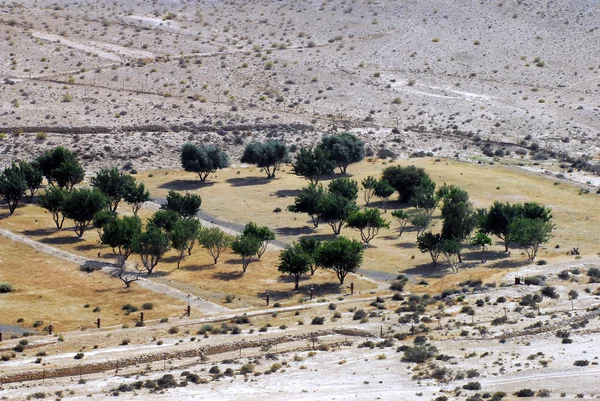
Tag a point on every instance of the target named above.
point(203, 160)
point(215, 241)
point(114, 184)
point(383, 190)
point(498, 218)
point(266, 155)
point(481, 239)
point(12, 186)
point(183, 236)
point(404, 180)
point(264, 234)
point(81, 205)
point(295, 261)
point(135, 195)
point(151, 245)
point(431, 243)
point(309, 201)
point(313, 164)
point(61, 168)
point(102, 219)
point(533, 210)
point(421, 220)
point(33, 177)
point(342, 255)
point(368, 185)
point(311, 246)
point(450, 250)
point(459, 216)
point(529, 234)
point(368, 222)
point(120, 234)
point(335, 210)
point(246, 247)
point(424, 196)
point(184, 205)
point(344, 148)
point(164, 219)
point(344, 187)
point(53, 200)
point(403, 219)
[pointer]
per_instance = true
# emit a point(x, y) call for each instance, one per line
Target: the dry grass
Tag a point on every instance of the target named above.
point(51, 289)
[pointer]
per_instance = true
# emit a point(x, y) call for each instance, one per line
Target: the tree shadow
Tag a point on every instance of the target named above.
point(391, 206)
point(286, 193)
point(427, 270)
point(89, 247)
point(319, 290)
point(185, 185)
point(488, 255)
point(171, 259)
point(61, 240)
point(323, 237)
point(39, 232)
point(509, 264)
point(248, 181)
point(294, 231)
point(197, 268)
point(406, 245)
point(228, 276)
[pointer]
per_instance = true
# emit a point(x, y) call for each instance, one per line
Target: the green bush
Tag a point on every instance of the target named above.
point(318, 320)
point(581, 362)
point(6, 287)
point(147, 306)
point(419, 353)
point(359, 315)
point(472, 386)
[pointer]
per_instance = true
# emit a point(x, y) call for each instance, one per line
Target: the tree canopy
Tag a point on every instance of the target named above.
point(309, 201)
point(344, 149)
point(214, 240)
point(313, 164)
point(432, 244)
point(368, 222)
point(61, 168)
point(344, 187)
point(529, 234)
point(184, 205)
point(342, 255)
point(335, 210)
point(33, 177)
point(203, 160)
point(135, 195)
point(12, 186)
point(295, 261)
point(264, 234)
point(114, 184)
point(53, 200)
point(245, 246)
point(120, 234)
point(267, 155)
point(383, 190)
point(311, 246)
point(405, 180)
point(368, 185)
point(151, 245)
point(81, 205)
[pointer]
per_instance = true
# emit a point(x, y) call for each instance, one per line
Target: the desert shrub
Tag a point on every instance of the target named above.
point(247, 368)
point(472, 373)
point(318, 320)
point(499, 320)
point(332, 306)
point(535, 280)
point(419, 353)
point(581, 362)
point(472, 386)
point(173, 330)
point(449, 291)
point(594, 272)
point(397, 297)
point(206, 328)
point(79, 355)
point(525, 392)
point(129, 308)
point(241, 319)
point(550, 292)
point(397, 285)
point(359, 315)
point(125, 341)
point(166, 381)
point(563, 275)
point(214, 370)
point(6, 287)
point(530, 300)
point(147, 306)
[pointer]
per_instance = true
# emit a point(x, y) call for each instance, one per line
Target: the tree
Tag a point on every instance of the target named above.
point(421, 220)
point(126, 276)
point(135, 195)
point(529, 234)
point(383, 190)
point(12, 186)
point(33, 177)
point(533, 210)
point(335, 210)
point(102, 219)
point(184, 205)
point(61, 168)
point(309, 201)
point(313, 164)
point(459, 216)
point(114, 184)
point(120, 234)
point(431, 243)
point(368, 185)
point(81, 205)
point(481, 239)
point(450, 250)
point(344, 148)
point(183, 236)
point(203, 160)
point(344, 187)
point(404, 180)
point(311, 245)
point(264, 234)
point(403, 219)
point(266, 155)
point(151, 245)
point(341, 255)
point(295, 261)
point(246, 247)
point(424, 196)
point(53, 200)
point(368, 222)
point(164, 219)
point(215, 241)
point(498, 218)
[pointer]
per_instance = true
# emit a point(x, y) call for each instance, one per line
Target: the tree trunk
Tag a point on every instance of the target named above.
point(459, 258)
point(181, 254)
point(297, 283)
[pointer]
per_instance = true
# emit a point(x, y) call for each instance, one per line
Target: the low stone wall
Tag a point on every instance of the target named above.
point(200, 352)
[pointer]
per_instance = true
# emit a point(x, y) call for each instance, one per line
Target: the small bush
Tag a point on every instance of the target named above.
point(129, 308)
point(6, 287)
point(359, 315)
point(472, 386)
point(550, 292)
point(535, 280)
point(173, 330)
point(581, 362)
point(247, 368)
point(147, 306)
point(525, 392)
point(318, 320)
point(79, 355)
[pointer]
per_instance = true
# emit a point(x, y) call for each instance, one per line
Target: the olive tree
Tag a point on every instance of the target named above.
point(203, 160)
point(12, 186)
point(33, 178)
point(313, 164)
point(114, 184)
point(368, 222)
point(245, 246)
point(120, 234)
point(61, 168)
point(53, 200)
point(342, 255)
point(295, 261)
point(214, 240)
point(151, 245)
point(81, 205)
point(268, 155)
point(184, 205)
point(136, 195)
point(344, 148)
point(264, 234)
point(309, 201)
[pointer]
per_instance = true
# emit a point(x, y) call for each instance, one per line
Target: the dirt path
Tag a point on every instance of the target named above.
point(196, 302)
